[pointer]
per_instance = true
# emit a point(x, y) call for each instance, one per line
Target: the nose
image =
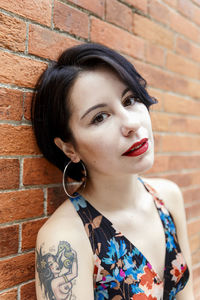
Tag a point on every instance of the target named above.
point(130, 123)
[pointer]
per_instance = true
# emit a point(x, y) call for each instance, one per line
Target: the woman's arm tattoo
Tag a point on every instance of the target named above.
point(57, 271)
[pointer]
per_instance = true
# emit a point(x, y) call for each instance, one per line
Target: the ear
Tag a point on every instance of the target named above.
point(68, 149)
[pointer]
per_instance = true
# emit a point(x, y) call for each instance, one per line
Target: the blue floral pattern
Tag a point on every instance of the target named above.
point(120, 269)
point(78, 202)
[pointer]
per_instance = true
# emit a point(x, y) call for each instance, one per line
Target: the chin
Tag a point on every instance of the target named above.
point(145, 164)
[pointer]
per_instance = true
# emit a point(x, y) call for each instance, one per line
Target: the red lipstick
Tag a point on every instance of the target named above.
point(137, 148)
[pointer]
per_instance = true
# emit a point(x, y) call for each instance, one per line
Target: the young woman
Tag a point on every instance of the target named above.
point(117, 236)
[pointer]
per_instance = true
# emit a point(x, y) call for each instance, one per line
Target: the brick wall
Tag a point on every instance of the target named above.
point(162, 38)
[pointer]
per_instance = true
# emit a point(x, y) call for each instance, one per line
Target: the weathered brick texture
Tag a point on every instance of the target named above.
point(9, 173)
point(162, 39)
point(108, 35)
point(28, 291)
point(16, 270)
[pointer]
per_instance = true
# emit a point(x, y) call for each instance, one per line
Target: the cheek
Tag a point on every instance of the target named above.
point(94, 150)
point(147, 120)
point(92, 147)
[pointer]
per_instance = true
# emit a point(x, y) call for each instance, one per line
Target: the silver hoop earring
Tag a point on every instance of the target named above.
point(74, 186)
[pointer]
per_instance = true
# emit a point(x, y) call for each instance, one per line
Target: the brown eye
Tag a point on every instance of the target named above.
point(99, 118)
point(129, 101)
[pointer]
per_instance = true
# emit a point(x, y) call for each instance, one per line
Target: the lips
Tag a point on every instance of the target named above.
point(137, 148)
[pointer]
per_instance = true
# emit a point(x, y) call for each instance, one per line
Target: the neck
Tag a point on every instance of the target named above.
point(114, 193)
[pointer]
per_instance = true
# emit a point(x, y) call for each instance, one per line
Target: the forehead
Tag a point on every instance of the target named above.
point(92, 87)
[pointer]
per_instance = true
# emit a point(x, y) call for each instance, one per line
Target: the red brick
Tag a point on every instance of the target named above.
point(40, 171)
point(29, 233)
point(184, 161)
point(161, 79)
point(56, 196)
point(108, 35)
point(164, 163)
point(155, 54)
point(9, 237)
point(196, 178)
point(27, 70)
point(186, 8)
point(11, 104)
point(188, 49)
point(193, 227)
point(159, 96)
point(9, 295)
point(17, 140)
point(195, 53)
point(161, 164)
point(184, 124)
point(95, 6)
point(27, 105)
point(12, 33)
point(191, 194)
point(197, 2)
point(71, 20)
point(28, 291)
point(186, 87)
point(196, 14)
point(153, 32)
point(176, 104)
point(155, 77)
point(194, 242)
point(157, 142)
point(167, 122)
point(183, 46)
point(16, 270)
point(183, 179)
point(46, 43)
point(9, 174)
point(196, 284)
point(196, 272)
point(172, 3)
point(39, 11)
point(184, 26)
point(21, 205)
point(196, 289)
point(178, 64)
point(139, 4)
point(160, 121)
point(159, 12)
point(178, 143)
point(119, 14)
point(195, 257)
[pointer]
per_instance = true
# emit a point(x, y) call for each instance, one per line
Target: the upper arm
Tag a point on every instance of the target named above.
point(64, 267)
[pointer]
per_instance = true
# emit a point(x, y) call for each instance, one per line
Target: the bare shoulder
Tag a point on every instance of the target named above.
point(60, 259)
point(168, 191)
point(62, 223)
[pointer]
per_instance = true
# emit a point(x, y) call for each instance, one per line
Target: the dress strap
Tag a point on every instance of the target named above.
point(150, 189)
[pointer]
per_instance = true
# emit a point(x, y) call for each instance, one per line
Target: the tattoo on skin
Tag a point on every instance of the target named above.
point(57, 272)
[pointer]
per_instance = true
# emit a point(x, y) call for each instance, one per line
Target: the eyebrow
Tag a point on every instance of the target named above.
point(125, 91)
point(102, 104)
point(93, 108)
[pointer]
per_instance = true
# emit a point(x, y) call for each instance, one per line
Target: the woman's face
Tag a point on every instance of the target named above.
point(53, 265)
point(106, 121)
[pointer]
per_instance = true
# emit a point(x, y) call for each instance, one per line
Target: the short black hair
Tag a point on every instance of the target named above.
point(50, 105)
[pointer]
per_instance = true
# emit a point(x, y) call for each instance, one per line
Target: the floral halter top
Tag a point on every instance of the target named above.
point(120, 270)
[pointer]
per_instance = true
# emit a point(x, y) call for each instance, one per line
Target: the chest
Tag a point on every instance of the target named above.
point(146, 232)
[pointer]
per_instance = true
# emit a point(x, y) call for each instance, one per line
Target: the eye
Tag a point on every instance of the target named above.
point(100, 117)
point(129, 101)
